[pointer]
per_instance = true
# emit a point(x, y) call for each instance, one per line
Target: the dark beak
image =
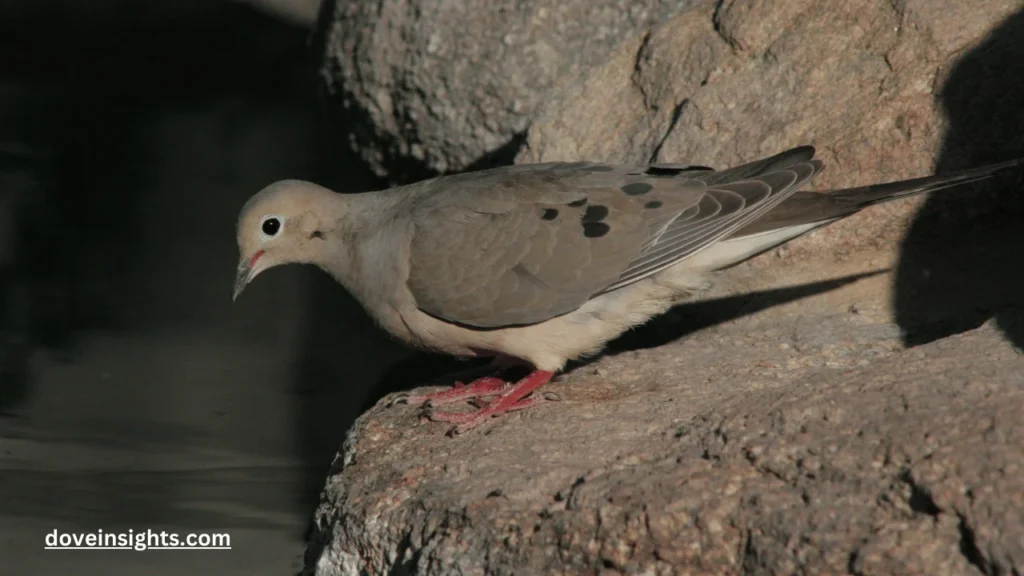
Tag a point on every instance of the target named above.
point(244, 275)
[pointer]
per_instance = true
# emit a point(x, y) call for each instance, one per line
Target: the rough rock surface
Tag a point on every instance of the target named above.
point(435, 86)
point(803, 438)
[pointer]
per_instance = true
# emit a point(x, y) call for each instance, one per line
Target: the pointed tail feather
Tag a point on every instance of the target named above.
point(804, 208)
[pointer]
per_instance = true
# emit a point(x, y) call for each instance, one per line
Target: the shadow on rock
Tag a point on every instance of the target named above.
point(963, 258)
point(689, 318)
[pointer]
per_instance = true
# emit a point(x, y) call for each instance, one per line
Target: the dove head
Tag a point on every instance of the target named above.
point(282, 224)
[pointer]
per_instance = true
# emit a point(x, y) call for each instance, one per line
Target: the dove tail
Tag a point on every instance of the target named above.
point(865, 196)
point(806, 211)
point(821, 208)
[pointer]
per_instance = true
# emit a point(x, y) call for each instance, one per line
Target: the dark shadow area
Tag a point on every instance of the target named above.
point(130, 135)
point(30, 289)
point(963, 259)
point(504, 155)
point(80, 91)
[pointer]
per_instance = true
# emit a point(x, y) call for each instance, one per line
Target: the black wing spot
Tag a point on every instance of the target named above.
point(595, 229)
point(637, 188)
point(549, 214)
point(653, 205)
point(578, 203)
point(595, 213)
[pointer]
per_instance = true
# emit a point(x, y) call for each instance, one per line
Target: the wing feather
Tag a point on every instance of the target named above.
point(522, 244)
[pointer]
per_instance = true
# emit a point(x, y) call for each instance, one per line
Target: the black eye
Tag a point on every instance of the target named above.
point(271, 226)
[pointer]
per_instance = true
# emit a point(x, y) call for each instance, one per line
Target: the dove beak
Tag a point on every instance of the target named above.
point(246, 272)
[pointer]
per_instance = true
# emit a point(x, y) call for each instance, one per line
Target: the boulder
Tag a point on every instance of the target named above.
point(803, 438)
point(429, 87)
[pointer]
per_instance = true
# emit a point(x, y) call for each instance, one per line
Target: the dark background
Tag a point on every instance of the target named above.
point(133, 394)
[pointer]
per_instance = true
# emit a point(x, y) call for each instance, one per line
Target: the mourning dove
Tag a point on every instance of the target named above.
point(543, 263)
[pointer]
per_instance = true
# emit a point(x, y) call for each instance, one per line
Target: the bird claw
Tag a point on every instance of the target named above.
point(486, 386)
point(514, 398)
point(508, 397)
point(400, 398)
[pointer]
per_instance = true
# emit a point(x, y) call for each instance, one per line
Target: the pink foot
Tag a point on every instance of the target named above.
point(511, 399)
point(486, 386)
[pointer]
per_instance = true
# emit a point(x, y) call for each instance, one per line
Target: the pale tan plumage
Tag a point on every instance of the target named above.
point(543, 263)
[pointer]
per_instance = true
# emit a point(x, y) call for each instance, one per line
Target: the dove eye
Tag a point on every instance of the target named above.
point(271, 226)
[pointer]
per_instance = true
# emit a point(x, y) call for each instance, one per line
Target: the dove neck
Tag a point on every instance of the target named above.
point(352, 234)
point(351, 217)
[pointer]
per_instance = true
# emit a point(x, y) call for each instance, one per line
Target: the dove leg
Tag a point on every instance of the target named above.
point(522, 404)
point(513, 398)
